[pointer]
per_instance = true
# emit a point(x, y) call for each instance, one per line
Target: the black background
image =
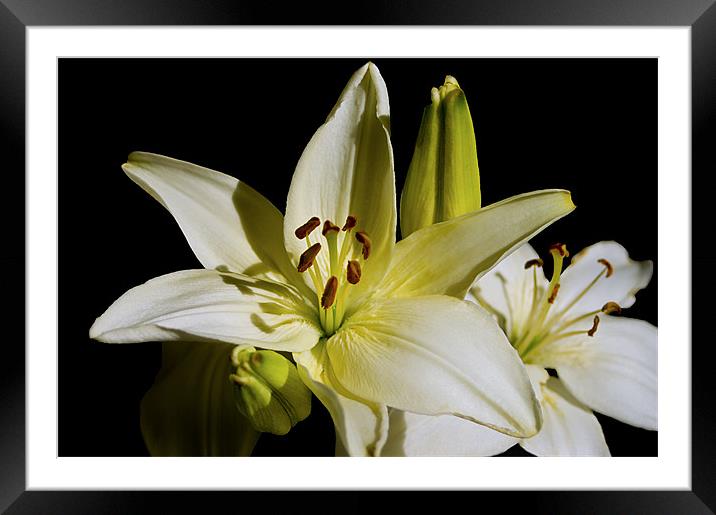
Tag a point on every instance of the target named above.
point(587, 125)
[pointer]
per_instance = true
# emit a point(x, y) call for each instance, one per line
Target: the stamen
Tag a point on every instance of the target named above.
point(364, 240)
point(534, 262)
point(561, 248)
point(353, 272)
point(351, 222)
point(611, 307)
point(308, 256)
point(593, 330)
point(307, 228)
point(329, 226)
point(553, 295)
point(329, 293)
point(608, 265)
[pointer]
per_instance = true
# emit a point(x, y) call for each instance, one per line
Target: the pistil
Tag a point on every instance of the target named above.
point(330, 232)
point(539, 313)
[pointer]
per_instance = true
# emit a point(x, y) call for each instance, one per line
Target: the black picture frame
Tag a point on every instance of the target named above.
point(17, 15)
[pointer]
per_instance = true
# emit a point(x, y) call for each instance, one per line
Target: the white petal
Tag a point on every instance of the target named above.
point(507, 290)
point(538, 377)
point(435, 355)
point(227, 223)
point(361, 426)
point(446, 258)
point(347, 169)
point(208, 305)
point(569, 428)
point(189, 410)
point(615, 372)
point(441, 435)
point(628, 278)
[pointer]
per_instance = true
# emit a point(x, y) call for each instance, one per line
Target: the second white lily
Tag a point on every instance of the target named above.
point(605, 362)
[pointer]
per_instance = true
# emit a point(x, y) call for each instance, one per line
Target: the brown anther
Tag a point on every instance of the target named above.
point(608, 265)
point(353, 271)
point(307, 228)
point(593, 330)
point(561, 248)
point(611, 307)
point(364, 240)
point(256, 358)
point(329, 292)
point(554, 293)
point(308, 256)
point(534, 262)
point(329, 226)
point(351, 222)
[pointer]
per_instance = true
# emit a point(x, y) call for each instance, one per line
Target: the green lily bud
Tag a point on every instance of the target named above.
point(268, 390)
point(443, 179)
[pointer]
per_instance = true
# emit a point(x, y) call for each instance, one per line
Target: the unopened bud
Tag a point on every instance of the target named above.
point(443, 180)
point(268, 391)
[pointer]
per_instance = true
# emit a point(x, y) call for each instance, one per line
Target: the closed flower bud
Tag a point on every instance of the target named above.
point(268, 390)
point(443, 179)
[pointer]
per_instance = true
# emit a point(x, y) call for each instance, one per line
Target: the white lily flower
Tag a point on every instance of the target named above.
point(370, 323)
point(604, 362)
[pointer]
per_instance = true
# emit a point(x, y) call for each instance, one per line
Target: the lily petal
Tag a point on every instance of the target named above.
point(435, 355)
point(227, 223)
point(207, 305)
point(361, 426)
point(506, 290)
point(189, 411)
point(569, 428)
point(412, 434)
point(446, 258)
point(615, 372)
point(347, 169)
point(627, 278)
